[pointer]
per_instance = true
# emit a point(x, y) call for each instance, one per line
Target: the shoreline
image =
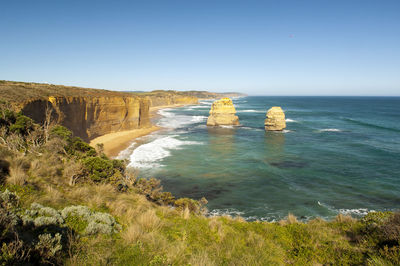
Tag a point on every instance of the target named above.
point(116, 142)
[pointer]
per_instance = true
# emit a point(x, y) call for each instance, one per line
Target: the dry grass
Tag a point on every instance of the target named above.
point(129, 206)
point(52, 197)
point(344, 218)
point(18, 171)
point(149, 221)
point(17, 176)
point(132, 234)
point(290, 219)
point(186, 213)
point(217, 226)
point(201, 259)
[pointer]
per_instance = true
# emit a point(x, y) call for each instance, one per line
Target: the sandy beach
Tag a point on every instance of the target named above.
point(118, 141)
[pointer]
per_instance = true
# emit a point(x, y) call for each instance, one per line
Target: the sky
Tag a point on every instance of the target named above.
point(324, 47)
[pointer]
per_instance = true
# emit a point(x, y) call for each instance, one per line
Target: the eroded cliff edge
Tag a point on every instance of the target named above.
point(90, 113)
point(91, 117)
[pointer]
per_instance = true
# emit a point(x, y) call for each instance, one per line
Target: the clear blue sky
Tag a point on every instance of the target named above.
point(325, 47)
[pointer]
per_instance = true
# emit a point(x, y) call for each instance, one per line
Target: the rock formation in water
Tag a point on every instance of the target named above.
point(275, 120)
point(222, 113)
point(90, 113)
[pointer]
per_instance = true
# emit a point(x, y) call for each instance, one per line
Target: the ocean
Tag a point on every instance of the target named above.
point(337, 155)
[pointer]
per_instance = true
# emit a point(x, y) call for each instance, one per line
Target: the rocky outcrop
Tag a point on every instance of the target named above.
point(222, 113)
point(275, 120)
point(90, 117)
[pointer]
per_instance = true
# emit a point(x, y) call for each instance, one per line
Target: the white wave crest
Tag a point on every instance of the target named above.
point(221, 212)
point(329, 130)
point(359, 212)
point(150, 154)
point(252, 128)
point(288, 120)
point(174, 121)
point(250, 111)
point(198, 118)
point(124, 154)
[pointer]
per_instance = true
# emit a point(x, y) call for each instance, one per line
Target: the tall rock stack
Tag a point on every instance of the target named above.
point(222, 113)
point(275, 120)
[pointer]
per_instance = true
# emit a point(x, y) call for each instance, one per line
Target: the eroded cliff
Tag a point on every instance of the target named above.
point(88, 113)
point(90, 117)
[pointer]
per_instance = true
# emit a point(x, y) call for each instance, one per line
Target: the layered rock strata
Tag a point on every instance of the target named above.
point(165, 100)
point(91, 113)
point(90, 117)
point(275, 120)
point(222, 113)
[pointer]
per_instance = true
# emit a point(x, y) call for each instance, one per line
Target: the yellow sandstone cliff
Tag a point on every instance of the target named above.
point(275, 120)
point(222, 113)
point(90, 113)
point(90, 117)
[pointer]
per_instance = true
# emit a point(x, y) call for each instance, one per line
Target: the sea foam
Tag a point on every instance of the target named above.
point(174, 121)
point(150, 154)
point(329, 130)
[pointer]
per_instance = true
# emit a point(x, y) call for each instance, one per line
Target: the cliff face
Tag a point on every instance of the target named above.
point(94, 116)
point(168, 99)
point(222, 113)
point(90, 117)
point(90, 113)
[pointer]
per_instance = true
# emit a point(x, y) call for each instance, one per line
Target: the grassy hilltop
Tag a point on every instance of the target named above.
point(64, 202)
point(15, 91)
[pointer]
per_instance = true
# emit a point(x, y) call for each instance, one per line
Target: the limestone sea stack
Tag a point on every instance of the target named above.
point(275, 120)
point(223, 113)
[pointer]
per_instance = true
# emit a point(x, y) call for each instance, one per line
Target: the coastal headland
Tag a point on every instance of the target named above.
point(97, 116)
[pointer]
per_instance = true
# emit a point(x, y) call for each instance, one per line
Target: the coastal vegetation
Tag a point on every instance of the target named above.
point(15, 91)
point(65, 202)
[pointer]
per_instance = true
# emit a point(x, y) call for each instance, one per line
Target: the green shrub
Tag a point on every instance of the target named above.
point(85, 220)
point(76, 146)
point(62, 132)
point(193, 205)
point(390, 231)
point(23, 125)
point(98, 169)
point(48, 248)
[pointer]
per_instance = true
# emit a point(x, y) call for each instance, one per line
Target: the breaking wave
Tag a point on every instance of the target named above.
point(174, 121)
point(150, 154)
point(330, 130)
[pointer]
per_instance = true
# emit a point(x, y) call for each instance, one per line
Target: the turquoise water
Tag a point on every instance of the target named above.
point(338, 154)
